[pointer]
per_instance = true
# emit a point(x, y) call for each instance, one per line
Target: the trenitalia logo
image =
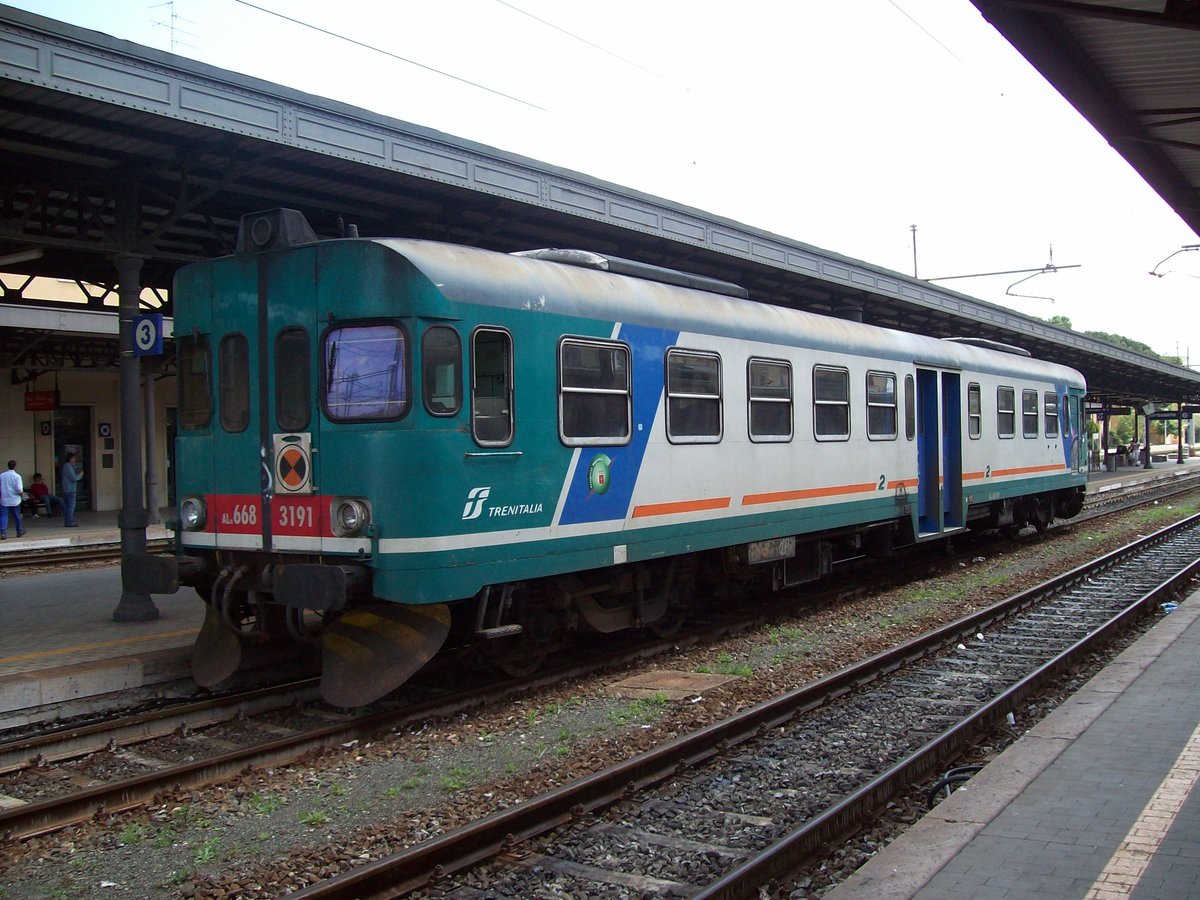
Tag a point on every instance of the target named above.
point(476, 497)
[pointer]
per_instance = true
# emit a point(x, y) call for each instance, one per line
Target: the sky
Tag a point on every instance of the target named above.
point(838, 124)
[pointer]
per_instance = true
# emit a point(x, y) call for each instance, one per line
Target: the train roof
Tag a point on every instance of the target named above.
point(471, 275)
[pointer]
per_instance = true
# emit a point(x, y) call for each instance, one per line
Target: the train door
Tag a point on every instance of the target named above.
point(939, 452)
point(265, 391)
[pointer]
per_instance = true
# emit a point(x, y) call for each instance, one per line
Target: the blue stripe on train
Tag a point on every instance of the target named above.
point(602, 487)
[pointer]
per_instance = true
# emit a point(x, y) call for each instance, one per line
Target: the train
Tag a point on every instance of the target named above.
point(391, 448)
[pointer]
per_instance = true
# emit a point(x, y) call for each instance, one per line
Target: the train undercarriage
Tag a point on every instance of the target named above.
point(369, 647)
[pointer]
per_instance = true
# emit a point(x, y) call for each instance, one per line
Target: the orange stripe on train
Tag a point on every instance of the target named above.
point(682, 506)
point(809, 493)
point(1027, 470)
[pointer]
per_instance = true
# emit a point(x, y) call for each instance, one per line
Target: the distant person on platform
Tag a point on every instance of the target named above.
point(42, 498)
point(12, 492)
point(68, 483)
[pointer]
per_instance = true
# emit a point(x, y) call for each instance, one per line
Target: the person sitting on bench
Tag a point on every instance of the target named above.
point(42, 498)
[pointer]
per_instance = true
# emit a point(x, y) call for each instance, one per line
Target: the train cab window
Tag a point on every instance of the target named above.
point(441, 370)
point(491, 387)
point(770, 393)
point(293, 377)
point(365, 372)
point(881, 406)
point(233, 380)
point(1006, 412)
point(1029, 414)
point(831, 403)
point(910, 408)
point(195, 382)
point(974, 411)
point(595, 402)
point(1051, 405)
point(693, 397)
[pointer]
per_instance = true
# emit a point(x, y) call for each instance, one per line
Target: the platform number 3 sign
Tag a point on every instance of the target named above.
point(148, 335)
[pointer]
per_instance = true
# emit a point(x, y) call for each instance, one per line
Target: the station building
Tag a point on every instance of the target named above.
point(63, 395)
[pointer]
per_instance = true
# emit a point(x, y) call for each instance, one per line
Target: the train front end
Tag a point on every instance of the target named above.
point(295, 374)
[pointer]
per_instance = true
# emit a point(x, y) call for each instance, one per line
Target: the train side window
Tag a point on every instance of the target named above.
point(366, 372)
point(1006, 412)
point(974, 411)
point(233, 380)
point(491, 387)
point(1029, 413)
point(770, 397)
point(881, 406)
point(693, 397)
point(293, 377)
point(441, 370)
point(195, 382)
point(910, 408)
point(595, 402)
point(1051, 403)
point(831, 403)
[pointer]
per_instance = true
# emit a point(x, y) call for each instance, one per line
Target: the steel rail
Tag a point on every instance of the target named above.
point(457, 850)
point(802, 844)
point(67, 743)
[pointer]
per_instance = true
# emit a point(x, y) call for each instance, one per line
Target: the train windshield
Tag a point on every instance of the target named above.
point(366, 372)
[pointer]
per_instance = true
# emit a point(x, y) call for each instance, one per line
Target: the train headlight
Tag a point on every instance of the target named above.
point(193, 514)
point(350, 516)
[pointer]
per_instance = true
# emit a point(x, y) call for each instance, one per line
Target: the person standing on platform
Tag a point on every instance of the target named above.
point(68, 483)
point(12, 492)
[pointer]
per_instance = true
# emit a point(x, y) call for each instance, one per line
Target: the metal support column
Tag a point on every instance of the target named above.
point(152, 516)
point(1104, 460)
point(133, 606)
point(1179, 433)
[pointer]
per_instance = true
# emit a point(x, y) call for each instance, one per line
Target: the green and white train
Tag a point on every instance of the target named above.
point(391, 446)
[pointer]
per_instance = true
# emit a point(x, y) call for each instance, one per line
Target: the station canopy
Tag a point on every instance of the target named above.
point(111, 148)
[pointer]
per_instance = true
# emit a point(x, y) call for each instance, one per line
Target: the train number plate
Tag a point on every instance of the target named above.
point(770, 551)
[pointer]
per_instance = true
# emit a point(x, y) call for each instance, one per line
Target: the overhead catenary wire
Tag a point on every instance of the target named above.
point(592, 44)
point(465, 81)
point(396, 56)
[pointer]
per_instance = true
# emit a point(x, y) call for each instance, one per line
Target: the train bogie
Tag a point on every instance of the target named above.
point(402, 443)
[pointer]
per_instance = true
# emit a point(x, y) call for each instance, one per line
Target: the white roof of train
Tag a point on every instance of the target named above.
point(471, 275)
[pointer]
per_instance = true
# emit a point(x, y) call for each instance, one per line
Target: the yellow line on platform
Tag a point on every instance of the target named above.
point(1129, 863)
point(63, 651)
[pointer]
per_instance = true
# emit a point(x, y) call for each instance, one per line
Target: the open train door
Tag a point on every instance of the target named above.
point(939, 452)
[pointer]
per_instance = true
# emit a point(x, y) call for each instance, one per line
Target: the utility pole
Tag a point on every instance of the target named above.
point(914, 234)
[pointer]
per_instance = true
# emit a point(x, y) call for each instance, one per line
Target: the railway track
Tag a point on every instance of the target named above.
point(736, 806)
point(55, 556)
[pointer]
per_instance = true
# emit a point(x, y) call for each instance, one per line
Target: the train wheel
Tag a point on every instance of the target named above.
point(520, 655)
point(684, 602)
point(1043, 514)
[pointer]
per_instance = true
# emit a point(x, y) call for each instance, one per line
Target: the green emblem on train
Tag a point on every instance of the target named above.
point(599, 474)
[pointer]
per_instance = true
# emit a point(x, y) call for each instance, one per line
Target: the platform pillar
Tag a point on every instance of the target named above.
point(133, 606)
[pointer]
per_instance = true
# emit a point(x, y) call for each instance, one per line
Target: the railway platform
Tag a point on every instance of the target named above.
point(59, 645)
point(1095, 801)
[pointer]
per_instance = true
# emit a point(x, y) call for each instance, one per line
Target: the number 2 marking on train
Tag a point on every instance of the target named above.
point(883, 482)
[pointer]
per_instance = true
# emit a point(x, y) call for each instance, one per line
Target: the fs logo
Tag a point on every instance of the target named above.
point(475, 500)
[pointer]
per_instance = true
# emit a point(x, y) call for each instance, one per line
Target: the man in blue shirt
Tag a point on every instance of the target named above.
point(11, 494)
point(67, 484)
